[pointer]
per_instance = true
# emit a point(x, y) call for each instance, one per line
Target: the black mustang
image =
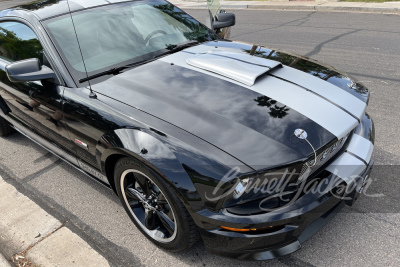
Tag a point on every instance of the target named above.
point(199, 136)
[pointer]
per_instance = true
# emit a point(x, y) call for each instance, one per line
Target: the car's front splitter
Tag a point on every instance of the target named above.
point(282, 248)
point(292, 225)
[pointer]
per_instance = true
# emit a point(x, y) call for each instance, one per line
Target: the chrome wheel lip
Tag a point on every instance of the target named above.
point(151, 233)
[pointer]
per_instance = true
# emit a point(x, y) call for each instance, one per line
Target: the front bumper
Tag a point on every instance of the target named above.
point(291, 225)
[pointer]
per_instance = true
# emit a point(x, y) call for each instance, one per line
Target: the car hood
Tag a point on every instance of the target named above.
point(245, 100)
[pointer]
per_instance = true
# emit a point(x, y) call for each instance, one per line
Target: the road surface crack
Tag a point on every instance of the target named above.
point(318, 48)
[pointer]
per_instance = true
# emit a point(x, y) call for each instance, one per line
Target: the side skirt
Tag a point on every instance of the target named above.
point(60, 153)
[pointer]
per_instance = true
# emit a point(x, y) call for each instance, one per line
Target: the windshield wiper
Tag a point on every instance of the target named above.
point(178, 48)
point(113, 71)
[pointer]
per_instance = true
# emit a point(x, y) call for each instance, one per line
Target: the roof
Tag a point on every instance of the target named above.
point(50, 8)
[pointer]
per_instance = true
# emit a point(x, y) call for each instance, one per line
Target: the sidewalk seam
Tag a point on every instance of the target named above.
point(23, 253)
point(15, 257)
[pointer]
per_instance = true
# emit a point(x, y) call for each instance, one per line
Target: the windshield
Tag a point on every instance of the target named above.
point(124, 33)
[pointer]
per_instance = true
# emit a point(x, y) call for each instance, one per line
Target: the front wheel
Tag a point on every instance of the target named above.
point(153, 206)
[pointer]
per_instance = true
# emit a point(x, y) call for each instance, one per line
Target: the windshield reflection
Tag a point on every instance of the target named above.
point(120, 34)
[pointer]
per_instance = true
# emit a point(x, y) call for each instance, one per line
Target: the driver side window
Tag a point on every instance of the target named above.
point(19, 42)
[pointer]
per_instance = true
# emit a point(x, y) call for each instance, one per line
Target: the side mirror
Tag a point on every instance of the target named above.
point(29, 70)
point(224, 20)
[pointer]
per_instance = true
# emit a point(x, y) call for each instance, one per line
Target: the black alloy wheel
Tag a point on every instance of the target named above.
point(153, 206)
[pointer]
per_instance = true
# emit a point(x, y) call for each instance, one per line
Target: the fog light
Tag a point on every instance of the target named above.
point(272, 228)
point(235, 229)
point(241, 188)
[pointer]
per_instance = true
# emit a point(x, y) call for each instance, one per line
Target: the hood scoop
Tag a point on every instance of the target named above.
point(243, 68)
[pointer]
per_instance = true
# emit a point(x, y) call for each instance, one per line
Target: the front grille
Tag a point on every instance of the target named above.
point(322, 157)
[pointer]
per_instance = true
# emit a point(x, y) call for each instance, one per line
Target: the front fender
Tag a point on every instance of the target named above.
point(190, 173)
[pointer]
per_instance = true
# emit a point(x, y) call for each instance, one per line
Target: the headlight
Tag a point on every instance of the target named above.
point(241, 188)
point(260, 186)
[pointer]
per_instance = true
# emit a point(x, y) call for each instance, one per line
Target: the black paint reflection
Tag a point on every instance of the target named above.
point(37, 105)
point(277, 110)
point(254, 128)
point(87, 120)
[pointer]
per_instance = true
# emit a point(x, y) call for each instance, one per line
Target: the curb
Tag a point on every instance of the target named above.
point(360, 9)
point(4, 262)
point(30, 235)
point(327, 8)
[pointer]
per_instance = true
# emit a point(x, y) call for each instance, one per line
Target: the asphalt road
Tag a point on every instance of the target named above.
point(367, 234)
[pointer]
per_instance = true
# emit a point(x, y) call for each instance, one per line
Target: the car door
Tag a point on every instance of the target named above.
point(85, 116)
point(35, 106)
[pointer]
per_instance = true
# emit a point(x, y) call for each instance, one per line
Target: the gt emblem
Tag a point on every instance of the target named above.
point(301, 134)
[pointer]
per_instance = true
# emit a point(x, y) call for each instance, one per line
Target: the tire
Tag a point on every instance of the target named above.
point(5, 128)
point(153, 206)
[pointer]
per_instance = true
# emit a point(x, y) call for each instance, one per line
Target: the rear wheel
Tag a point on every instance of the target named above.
point(5, 128)
point(153, 206)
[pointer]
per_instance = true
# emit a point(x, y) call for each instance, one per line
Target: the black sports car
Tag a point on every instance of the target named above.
point(250, 148)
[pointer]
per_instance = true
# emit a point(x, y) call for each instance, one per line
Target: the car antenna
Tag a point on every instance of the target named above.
point(92, 94)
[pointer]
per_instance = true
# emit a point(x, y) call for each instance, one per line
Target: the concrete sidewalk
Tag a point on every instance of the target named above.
point(3, 261)
point(387, 7)
point(29, 236)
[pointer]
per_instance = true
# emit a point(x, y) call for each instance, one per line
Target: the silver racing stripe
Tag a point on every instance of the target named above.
point(354, 116)
point(324, 89)
point(321, 111)
point(347, 167)
point(354, 161)
point(338, 96)
point(326, 114)
point(361, 147)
